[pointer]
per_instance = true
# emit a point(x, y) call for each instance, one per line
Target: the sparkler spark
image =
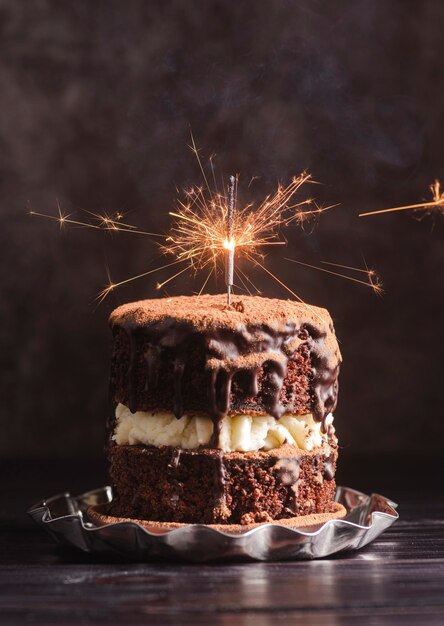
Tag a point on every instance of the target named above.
point(427, 208)
point(105, 222)
point(112, 286)
point(373, 280)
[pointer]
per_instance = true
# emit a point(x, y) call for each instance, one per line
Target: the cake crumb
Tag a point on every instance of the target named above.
point(254, 518)
point(235, 306)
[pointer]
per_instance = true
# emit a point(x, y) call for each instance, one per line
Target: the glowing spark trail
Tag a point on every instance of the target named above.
point(427, 207)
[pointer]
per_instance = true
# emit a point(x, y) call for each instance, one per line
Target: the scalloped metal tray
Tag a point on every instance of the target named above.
point(64, 517)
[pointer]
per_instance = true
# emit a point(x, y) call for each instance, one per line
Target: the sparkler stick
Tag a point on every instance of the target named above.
point(229, 242)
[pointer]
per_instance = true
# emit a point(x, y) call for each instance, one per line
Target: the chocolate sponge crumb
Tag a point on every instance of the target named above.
point(260, 486)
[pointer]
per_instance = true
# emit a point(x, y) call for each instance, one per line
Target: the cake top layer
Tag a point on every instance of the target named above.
point(211, 311)
point(256, 336)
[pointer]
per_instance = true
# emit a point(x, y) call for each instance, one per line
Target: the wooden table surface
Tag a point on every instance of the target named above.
point(399, 579)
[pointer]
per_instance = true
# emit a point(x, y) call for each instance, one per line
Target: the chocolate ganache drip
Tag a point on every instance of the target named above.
point(193, 355)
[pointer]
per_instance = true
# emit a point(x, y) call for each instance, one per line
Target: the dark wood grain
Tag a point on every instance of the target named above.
point(399, 579)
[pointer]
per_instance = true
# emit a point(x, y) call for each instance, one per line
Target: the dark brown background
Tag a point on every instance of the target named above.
point(96, 101)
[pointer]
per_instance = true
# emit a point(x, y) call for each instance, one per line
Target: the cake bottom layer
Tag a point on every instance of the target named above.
point(209, 487)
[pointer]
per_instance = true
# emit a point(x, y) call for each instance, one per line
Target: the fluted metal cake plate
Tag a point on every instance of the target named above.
point(64, 517)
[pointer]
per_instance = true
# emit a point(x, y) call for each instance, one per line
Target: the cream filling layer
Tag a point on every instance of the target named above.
point(239, 433)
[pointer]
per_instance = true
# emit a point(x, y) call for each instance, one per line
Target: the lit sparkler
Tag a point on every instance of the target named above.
point(427, 208)
point(208, 229)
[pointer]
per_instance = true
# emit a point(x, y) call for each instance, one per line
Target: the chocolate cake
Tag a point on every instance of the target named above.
point(222, 415)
